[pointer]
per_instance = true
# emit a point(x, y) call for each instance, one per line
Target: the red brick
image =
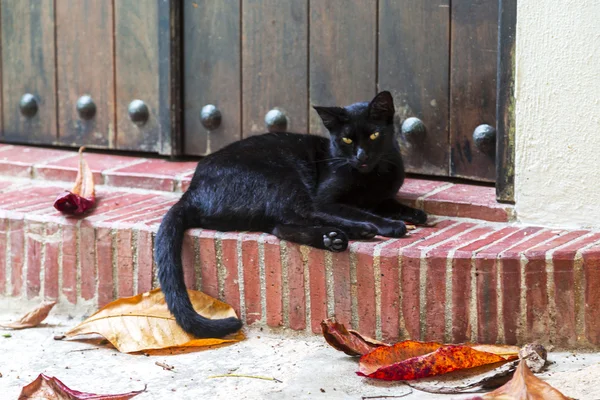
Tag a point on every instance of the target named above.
point(185, 182)
point(208, 263)
point(188, 261)
point(87, 257)
point(35, 234)
point(318, 288)
point(148, 213)
point(511, 239)
point(469, 201)
point(20, 159)
point(66, 168)
point(153, 174)
point(51, 267)
point(104, 259)
point(273, 281)
point(487, 300)
point(3, 241)
point(390, 291)
point(20, 198)
point(229, 262)
point(431, 237)
point(297, 297)
point(126, 207)
point(412, 189)
point(510, 281)
point(69, 261)
point(250, 261)
point(342, 289)
point(142, 211)
point(365, 282)
point(435, 289)
point(591, 268)
point(144, 261)
point(124, 263)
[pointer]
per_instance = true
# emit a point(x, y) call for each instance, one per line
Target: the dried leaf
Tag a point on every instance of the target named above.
point(348, 341)
point(50, 388)
point(82, 197)
point(414, 360)
point(524, 385)
point(143, 322)
point(33, 317)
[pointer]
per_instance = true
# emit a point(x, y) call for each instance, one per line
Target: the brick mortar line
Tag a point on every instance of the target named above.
point(329, 284)
point(304, 251)
point(78, 277)
point(154, 267)
point(59, 295)
point(377, 281)
point(96, 296)
point(354, 318)
point(218, 243)
point(8, 258)
point(6, 147)
point(262, 273)
point(285, 288)
point(25, 262)
point(550, 284)
point(448, 323)
point(420, 202)
point(43, 262)
point(35, 166)
point(114, 263)
point(133, 162)
point(197, 264)
point(579, 294)
point(423, 269)
point(240, 270)
point(135, 268)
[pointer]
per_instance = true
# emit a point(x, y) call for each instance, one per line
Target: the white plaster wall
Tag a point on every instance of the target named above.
point(557, 111)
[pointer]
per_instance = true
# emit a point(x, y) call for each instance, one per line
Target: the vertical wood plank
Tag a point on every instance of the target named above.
point(143, 70)
point(28, 67)
point(505, 118)
point(473, 60)
point(342, 54)
point(413, 65)
point(275, 63)
point(84, 45)
point(211, 72)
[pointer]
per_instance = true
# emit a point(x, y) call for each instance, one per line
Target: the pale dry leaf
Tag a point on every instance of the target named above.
point(33, 317)
point(143, 322)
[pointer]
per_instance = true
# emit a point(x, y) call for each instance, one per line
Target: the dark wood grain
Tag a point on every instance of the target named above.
point(413, 65)
point(28, 67)
point(505, 111)
point(473, 60)
point(85, 59)
point(342, 54)
point(275, 63)
point(211, 72)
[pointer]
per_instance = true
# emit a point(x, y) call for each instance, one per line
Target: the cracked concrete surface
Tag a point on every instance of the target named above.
point(306, 367)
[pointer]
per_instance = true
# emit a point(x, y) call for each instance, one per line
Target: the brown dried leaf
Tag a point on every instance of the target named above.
point(348, 341)
point(82, 196)
point(143, 322)
point(524, 385)
point(33, 317)
point(50, 388)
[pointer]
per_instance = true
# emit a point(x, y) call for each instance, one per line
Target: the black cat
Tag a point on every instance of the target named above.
point(302, 188)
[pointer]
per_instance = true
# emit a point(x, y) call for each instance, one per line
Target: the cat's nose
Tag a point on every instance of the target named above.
point(361, 155)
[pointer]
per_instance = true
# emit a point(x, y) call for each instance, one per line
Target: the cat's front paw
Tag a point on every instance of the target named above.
point(393, 230)
point(335, 240)
point(363, 230)
point(414, 216)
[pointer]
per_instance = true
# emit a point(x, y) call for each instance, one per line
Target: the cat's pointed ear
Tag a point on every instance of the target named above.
point(381, 108)
point(331, 116)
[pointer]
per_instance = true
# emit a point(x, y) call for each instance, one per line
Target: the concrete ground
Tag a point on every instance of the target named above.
point(306, 367)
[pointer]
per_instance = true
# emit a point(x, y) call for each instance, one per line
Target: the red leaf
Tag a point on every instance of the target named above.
point(414, 360)
point(50, 388)
point(82, 197)
point(348, 341)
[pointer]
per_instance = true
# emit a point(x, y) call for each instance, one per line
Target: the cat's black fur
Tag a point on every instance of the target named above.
point(302, 188)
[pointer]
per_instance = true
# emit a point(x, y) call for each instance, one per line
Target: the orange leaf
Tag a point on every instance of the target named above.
point(33, 317)
point(348, 341)
point(50, 388)
point(414, 360)
point(143, 322)
point(524, 385)
point(82, 197)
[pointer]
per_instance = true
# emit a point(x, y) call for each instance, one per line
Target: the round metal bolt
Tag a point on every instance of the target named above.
point(210, 117)
point(276, 121)
point(413, 130)
point(138, 112)
point(86, 107)
point(28, 105)
point(484, 137)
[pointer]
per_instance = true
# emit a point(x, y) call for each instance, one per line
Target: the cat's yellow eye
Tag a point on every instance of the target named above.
point(346, 140)
point(374, 135)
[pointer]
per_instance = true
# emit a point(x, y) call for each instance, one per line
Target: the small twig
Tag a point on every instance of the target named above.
point(59, 337)
point(387, 396)
point(166, 367)
point(86, 349)
point(266, 378)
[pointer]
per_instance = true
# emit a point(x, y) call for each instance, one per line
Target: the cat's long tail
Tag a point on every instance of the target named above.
point(169, 240)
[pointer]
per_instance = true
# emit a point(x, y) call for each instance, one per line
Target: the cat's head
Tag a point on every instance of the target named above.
point(362, 133)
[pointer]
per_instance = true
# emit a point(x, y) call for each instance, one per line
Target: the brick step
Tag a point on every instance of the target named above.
point(459, 280)
point(435, 197)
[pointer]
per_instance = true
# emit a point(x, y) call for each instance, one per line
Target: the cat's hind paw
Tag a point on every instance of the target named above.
point(335, 240)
